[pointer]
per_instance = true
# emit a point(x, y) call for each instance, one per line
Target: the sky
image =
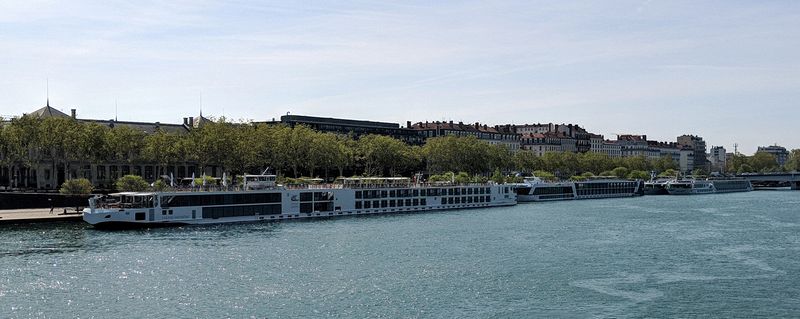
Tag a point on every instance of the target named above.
point(724, 70)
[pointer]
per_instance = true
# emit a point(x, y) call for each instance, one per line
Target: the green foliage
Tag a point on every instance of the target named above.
point(241, 147)
point(638, 174)
point(745, 168)
point(526, 161)
point(160, 186)
point(545, 175)
point(463, 178)
point(460, 178)
point(210, 181)
point(664, 163)
point(77, 186)
point(763, 162)
point(759, 162)
point(498, 177)
point(131, 183)
point(620, 172)
point(699, 173)
point(382, 154)
point(793, 162)
point(668, 173)
point(444, 177)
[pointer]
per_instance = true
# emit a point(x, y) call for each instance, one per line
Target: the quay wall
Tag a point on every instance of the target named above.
point(40, 200)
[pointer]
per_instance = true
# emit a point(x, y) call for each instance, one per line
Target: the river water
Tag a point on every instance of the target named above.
point(727, 255)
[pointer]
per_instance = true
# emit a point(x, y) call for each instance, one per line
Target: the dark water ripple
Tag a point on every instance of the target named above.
point(731, 255)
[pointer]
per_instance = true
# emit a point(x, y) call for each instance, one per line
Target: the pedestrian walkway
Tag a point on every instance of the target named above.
point(38, 215)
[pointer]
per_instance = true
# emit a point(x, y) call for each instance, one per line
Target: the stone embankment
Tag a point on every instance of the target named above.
point(38, 215)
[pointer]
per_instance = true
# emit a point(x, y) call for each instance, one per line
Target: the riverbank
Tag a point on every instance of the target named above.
point(38, 215)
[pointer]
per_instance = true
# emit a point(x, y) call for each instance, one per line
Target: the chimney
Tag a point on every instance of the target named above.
point(191, 122)
point(73, 113)
point(408, 124)
point(477, 125)
point(451, 122)
point(185, 121)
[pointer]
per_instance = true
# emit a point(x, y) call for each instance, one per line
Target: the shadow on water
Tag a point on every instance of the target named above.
point(22, 240)
point(43, 238)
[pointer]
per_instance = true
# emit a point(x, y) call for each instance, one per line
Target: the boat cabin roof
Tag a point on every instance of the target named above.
point(374, 181)
point(132, 194)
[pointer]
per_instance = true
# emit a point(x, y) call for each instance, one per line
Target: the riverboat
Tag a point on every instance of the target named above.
point(707, 186)
point(260, 199)
point(656, 187)
point(533, 189)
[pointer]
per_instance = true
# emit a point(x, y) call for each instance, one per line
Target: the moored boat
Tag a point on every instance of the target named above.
point(656, 187)
point(533, 189)
point(707, 186)
point(260, 199)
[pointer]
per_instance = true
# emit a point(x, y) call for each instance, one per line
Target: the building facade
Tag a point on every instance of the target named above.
point(698, 146)
point(355, 128)
point(495, 135)
point(780, 153)
point(717, 159)
point(579, 136)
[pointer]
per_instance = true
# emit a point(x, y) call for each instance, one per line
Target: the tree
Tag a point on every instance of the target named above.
point(620, 172)
point(77, 186)
point(745, 168)
point(123, 144)
point(664, 163)
point(638, 163)
point(163, 149)
point(736, 162)
point(668, 173)
point(793, 162)
point(545, 175)
point(763, 162)
point(159, 185)
point(500, 157)
point(498, 177)
point(699, 172)
point(380, 154)
point(131, 183)
point(638, 174)
point(594, 162)
point(526, 161)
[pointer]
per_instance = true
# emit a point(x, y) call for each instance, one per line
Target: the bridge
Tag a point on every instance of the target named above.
point(791, 178)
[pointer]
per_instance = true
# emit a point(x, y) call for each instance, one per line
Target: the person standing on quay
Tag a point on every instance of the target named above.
point(50, 200)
